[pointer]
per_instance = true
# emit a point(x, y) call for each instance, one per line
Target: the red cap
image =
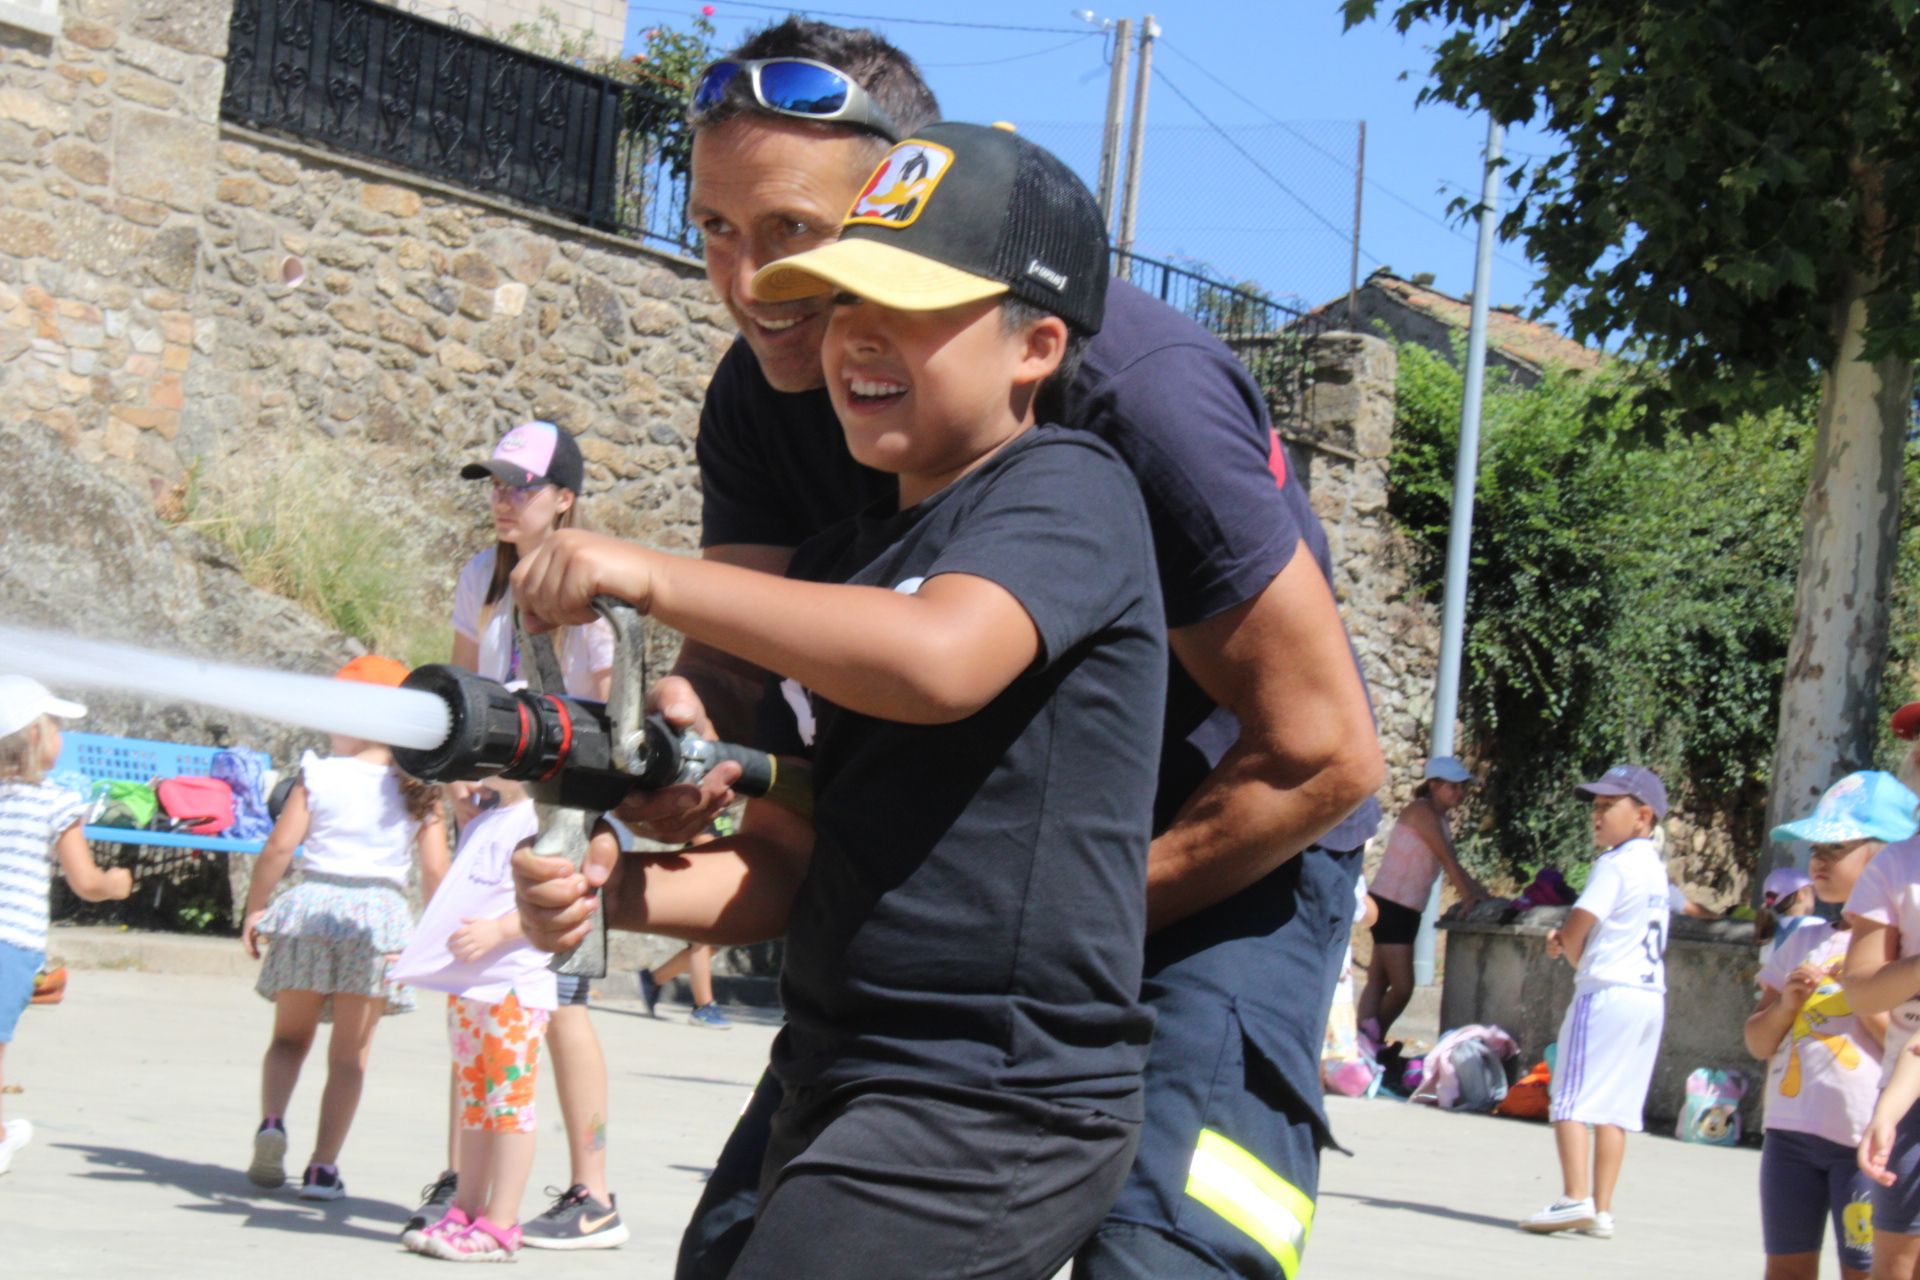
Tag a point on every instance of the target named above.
point(1906, 721)
point(371, 668)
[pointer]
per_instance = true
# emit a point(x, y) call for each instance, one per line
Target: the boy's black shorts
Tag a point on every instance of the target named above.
point(869, 1185)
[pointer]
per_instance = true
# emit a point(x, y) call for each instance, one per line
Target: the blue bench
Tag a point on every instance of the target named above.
point(101, 758)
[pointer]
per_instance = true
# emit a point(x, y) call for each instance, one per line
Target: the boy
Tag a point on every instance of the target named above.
point(978, 670)
point(1615, 937)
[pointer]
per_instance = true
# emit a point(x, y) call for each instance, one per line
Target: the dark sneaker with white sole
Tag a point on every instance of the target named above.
point(435, 1198)
point(322, 1183)
point(575, 1220)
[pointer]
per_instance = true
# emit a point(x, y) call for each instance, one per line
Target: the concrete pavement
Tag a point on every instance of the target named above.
point(143, 1091)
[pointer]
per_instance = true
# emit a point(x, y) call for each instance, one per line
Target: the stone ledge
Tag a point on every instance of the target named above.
point(1497, 917)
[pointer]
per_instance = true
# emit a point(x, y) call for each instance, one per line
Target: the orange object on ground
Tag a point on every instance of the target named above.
point(1527, 1099)
point(50, 987)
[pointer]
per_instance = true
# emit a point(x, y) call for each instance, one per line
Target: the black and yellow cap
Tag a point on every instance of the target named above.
point(955, 214)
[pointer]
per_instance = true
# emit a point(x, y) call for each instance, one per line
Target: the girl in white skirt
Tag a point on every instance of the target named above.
point(331, 937)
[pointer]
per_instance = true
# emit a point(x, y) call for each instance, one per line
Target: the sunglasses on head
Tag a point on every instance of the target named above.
point(797, 87)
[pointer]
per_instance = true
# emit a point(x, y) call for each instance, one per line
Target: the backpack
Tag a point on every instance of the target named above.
point(246, 777)
point(198, 805)
point(1529, 1096)
point(1712, 1110)
point(1481, 1076)
point(125, 804)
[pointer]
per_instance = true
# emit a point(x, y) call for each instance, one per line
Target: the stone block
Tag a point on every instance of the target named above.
point(176, 359)
point(450, 227)
point(246, 192)
point(463, 359)
point(278, 169)
point(144, 212)
point(80, 161)
point(34, 110)
point(27, 237)
point(160, 61)
point(147, 90)
point(600, 305)
point(344, 254)
point(384, 198)
point(398, 329)
point(191, 26)
point(654, 319)
point(477, 303)
point(365, 222)
point(510, 299)
point(474, 269)
point(163, 158)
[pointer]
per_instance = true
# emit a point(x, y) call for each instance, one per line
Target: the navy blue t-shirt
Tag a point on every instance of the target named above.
point(1172, 401)
point(934, 936)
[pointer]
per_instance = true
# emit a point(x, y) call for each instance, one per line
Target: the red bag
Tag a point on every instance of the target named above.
point(199, 806)
point(1527, 1099)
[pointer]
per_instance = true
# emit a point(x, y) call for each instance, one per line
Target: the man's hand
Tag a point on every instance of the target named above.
point(555, 586)
point(676, 814)
point(556, 901)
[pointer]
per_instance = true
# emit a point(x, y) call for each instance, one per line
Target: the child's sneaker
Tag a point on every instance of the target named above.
point(1562, 1215)
point(1602, 1228)
point(13, 1136)
point(451, 1223)
point(649, 992)
point(434, 1199)
point(576, 1220)
point(269, 1167)
point(322, 1182)
point(482, 1241)
point(709, 1015)
point(50, 986)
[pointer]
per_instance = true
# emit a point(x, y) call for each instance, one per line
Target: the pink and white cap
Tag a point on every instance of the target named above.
point(24, 700)
point(533, 453)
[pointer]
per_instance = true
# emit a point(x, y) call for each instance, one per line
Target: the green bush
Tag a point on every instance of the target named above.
point(1631, 597)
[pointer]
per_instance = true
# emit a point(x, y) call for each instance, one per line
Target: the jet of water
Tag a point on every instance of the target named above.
point(397, 717)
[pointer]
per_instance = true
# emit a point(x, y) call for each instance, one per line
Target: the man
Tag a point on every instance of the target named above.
point(1270, 758)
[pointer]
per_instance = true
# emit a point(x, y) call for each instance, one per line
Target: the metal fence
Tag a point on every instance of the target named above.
point(1269, 337)
point(375, 81)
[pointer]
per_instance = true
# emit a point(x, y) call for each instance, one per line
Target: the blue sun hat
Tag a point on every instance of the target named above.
point(1869, 805)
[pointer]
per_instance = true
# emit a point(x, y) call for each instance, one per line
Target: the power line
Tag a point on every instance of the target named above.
point(1344, 233)
point(916, 22)
point(1344, 162)
point(994, 62)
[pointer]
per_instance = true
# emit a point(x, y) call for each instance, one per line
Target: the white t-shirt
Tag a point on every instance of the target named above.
point(358, 820)
point(582, 650)
point(1825, 1075)
point(479, 886)
point(1627, 893)
point(32, 816)
point(1888, 893)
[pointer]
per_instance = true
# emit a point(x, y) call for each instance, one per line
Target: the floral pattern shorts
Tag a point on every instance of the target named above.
point(496, 1053)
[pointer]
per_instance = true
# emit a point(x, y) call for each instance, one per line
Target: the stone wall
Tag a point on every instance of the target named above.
point(1343, 455)
point(146, 316)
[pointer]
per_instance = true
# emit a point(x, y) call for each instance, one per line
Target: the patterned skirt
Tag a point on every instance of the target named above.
point(337, 935)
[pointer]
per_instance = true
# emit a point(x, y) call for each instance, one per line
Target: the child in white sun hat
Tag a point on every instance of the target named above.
point(36, 818)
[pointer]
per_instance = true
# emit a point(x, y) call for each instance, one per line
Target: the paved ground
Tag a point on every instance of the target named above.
point(142, 1088)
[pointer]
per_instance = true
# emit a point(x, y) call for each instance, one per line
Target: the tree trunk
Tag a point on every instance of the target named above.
point(1829, 700)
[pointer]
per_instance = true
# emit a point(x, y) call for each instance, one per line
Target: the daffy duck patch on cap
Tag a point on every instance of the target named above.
point(959, 213)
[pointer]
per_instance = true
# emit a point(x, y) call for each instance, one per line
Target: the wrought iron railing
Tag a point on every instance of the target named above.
point(371, 80)
point(1270, 337)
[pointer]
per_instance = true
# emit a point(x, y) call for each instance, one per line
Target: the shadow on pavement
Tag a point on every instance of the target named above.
point(224, 1189)
point(1431, 1210)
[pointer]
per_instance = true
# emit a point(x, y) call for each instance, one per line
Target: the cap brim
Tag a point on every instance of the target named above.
point(1588, 790)
point(885, 273)
point(65, 709)
point(518, 476)
point(1906, 721)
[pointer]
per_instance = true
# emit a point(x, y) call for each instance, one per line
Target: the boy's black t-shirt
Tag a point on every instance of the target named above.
point(941, 933)
point(1171, 400)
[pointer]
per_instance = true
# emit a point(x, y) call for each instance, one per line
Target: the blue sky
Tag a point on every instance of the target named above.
point(1244, 66)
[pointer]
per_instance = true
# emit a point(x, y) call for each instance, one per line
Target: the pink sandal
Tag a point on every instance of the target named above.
point(482, 1241)
point(455, 1222)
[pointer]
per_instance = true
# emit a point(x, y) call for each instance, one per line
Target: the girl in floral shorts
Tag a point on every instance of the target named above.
point(500, 995)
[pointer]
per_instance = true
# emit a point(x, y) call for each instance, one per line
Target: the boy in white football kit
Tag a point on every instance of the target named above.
point(1616, 938)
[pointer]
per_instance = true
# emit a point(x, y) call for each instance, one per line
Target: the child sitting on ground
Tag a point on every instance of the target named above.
point(1615, 937)
point(36, 818)
point(1823, 1056)
point(500, 996)
point(978, 669)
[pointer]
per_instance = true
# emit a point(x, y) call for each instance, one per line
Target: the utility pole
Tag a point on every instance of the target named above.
point(1353, 263)
point(1116, 108)
point(1466, 467)
point(1136, 145)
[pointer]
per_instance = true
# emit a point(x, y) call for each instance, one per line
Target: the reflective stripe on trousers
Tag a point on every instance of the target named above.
point(1231, 1181)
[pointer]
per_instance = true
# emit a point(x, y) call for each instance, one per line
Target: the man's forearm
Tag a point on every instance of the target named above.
point(729, 688)
point(1253, 812)
point(721, 894)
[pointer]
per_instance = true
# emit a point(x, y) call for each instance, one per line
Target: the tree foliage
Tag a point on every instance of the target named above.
point(1629, 599)
point(1724, 169)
